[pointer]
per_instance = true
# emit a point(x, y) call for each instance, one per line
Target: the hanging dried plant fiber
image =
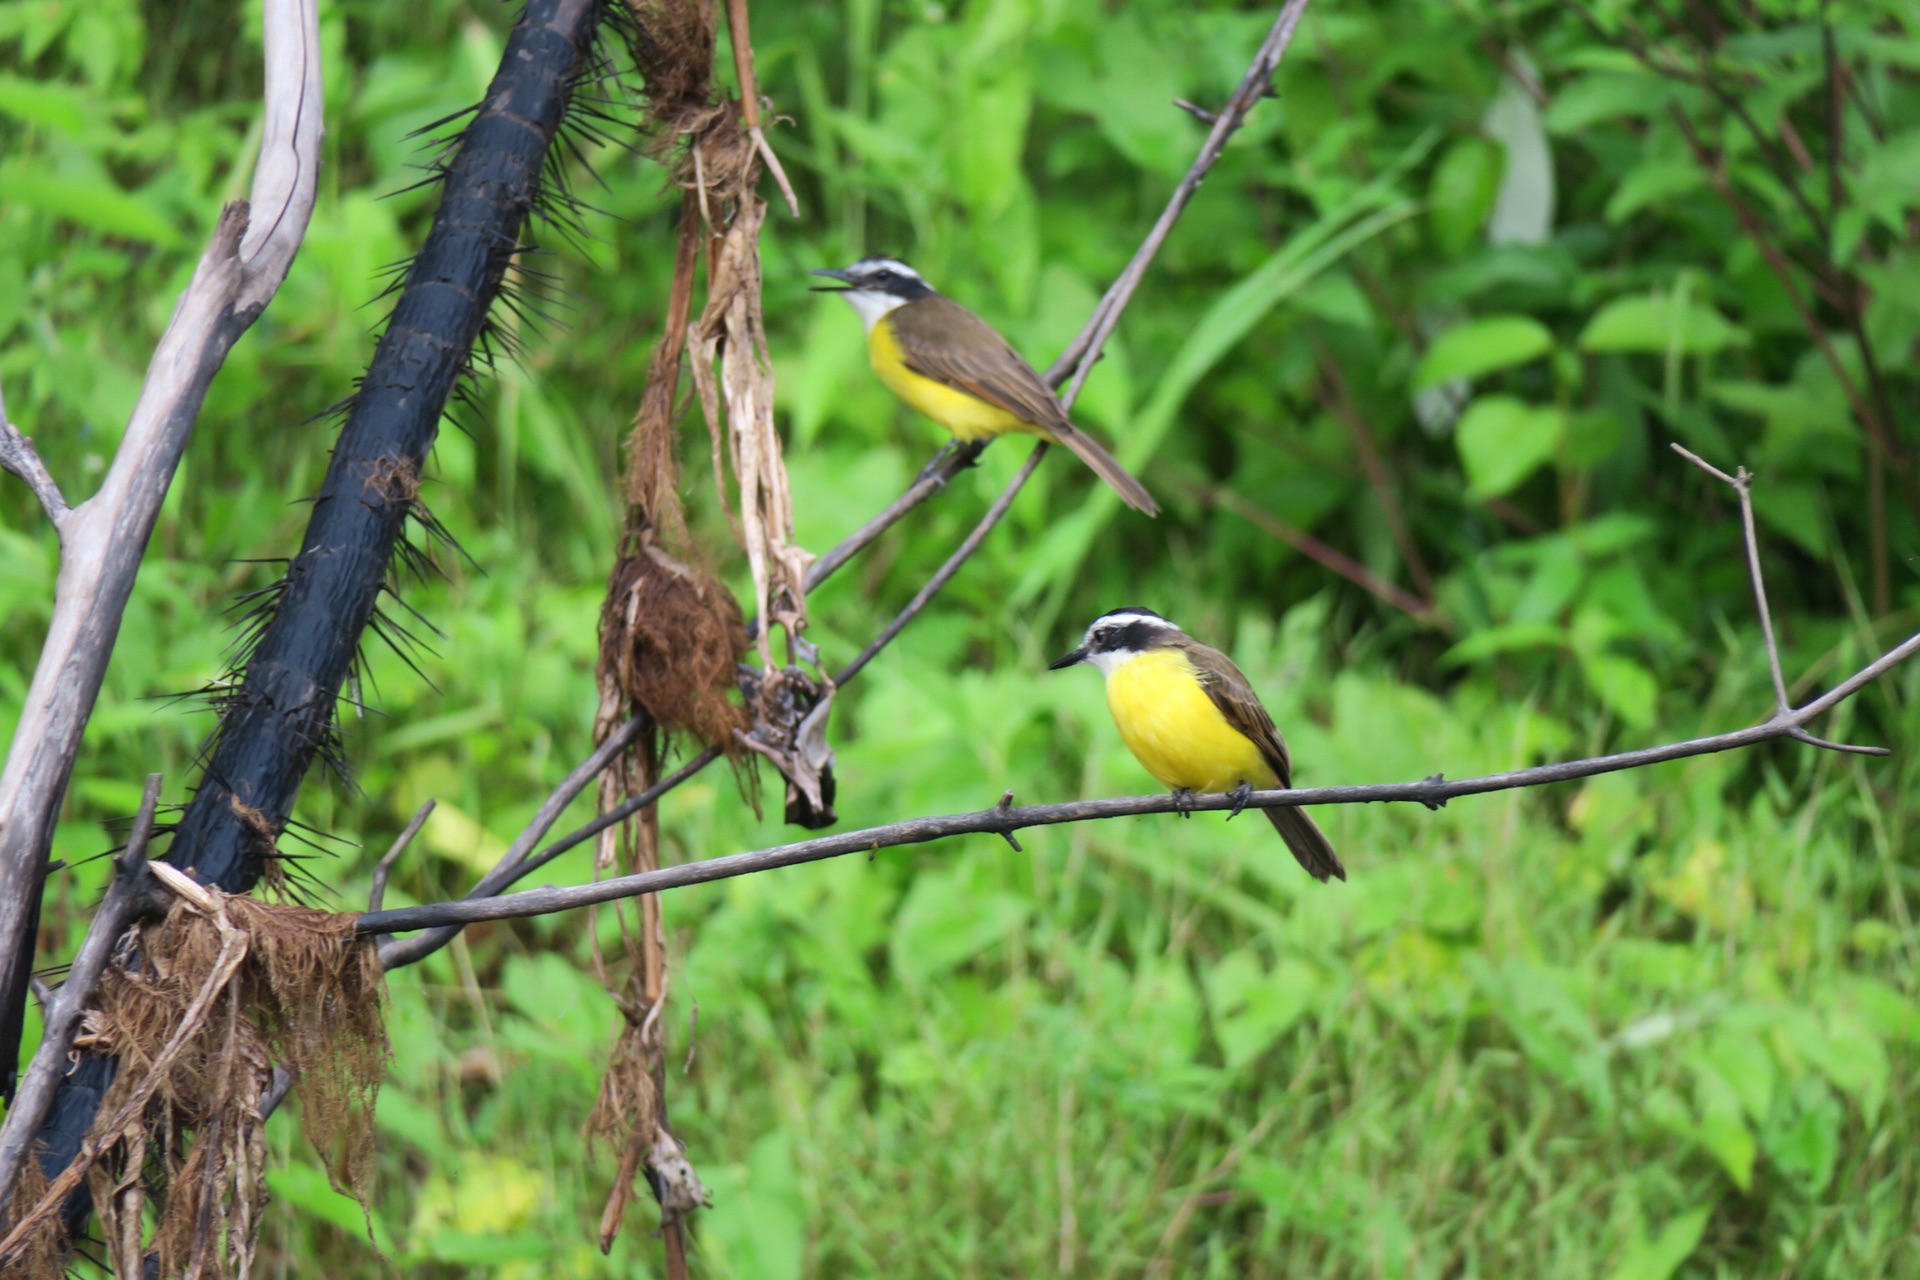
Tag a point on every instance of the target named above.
point(227, 986)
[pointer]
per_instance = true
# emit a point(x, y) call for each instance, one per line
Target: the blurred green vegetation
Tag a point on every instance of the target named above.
point(1656, 1024)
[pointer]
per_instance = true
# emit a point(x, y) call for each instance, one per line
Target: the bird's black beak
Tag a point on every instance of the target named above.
point(1073, 659)
point(833, 272)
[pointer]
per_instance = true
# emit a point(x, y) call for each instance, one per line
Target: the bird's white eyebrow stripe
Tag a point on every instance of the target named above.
point(891, 264)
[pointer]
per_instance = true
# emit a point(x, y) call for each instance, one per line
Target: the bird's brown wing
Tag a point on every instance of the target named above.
point(942, 340)
point(1234, 695)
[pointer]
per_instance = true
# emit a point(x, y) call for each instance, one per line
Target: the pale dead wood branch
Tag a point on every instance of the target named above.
point(1003, 819)
point(17, 455)
point(103, 538)
point(117, 911)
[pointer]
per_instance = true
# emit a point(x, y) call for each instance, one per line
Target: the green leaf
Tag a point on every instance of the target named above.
point(1661, 323)
point(1627, 688)
point(1511, 638)
point(1465, 182)
point(1650, 183)
point(1481, 346)
point(1661, 1257)
point(1503, 440)
point(48, 104)
point(1253, 1008)
point(90, 201)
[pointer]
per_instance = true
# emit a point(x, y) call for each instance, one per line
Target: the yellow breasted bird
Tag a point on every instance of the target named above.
point(1189, 715)
point(951, 365)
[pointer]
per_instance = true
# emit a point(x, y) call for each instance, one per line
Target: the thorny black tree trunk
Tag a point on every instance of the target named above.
point(281, 715)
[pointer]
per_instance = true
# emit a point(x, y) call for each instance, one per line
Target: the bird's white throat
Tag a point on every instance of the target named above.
point(871, 304)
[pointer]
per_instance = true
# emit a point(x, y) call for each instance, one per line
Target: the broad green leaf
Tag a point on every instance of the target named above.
point(1511, 638)
point(1662, 1257)
point(1603, 97)
point(91, 201)
point(1721, 1129)
point(1660, 323)
point(1503, 440)
point(1652, 182)
point(1626, 687)
point(50, 105)
point(1482, 346)
point(1465, 182)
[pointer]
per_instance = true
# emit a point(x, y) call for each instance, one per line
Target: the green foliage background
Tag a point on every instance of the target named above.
point(1655, 1024)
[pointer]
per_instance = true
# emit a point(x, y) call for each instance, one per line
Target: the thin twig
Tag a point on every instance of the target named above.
point(1330, 558)
point(1741, 483)
point(49, 1063)
point(1085, 348)
point(1339, 401)
point(384, 867)
point(18, 456)
point(396, 952)
point(946, 571)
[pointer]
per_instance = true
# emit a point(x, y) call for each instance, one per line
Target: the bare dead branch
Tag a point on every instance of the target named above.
point(102, 539)
point(945, 573)
point(1004, 819)
point(395, 952)
point(384, 868)
point(1331, 558)
point(49, 1063)
point(1084, 350)
point(1080, 355)
point(1741, 482)
point(17, 455)
point(1432, 792)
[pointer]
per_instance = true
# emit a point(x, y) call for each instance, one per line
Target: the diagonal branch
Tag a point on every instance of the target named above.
point(17, 455)
point(1742, 483)
point(49, 1063)
point(1003, 819)
point(103, 539)
point(1079, 357)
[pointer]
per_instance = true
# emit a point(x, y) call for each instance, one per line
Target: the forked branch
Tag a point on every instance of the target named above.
point(1004, 819)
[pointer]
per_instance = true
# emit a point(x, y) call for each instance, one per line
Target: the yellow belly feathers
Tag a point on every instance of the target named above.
point(967, 416)
point(1174, 729)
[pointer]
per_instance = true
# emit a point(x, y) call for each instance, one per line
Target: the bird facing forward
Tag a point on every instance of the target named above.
point(1189, 715)
point(951, 365)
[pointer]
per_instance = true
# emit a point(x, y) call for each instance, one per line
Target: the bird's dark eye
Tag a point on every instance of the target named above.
point(1103, 635)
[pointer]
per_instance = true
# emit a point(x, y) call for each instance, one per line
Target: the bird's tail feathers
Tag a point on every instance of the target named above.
point(1131, 491)
point(1308, 842)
